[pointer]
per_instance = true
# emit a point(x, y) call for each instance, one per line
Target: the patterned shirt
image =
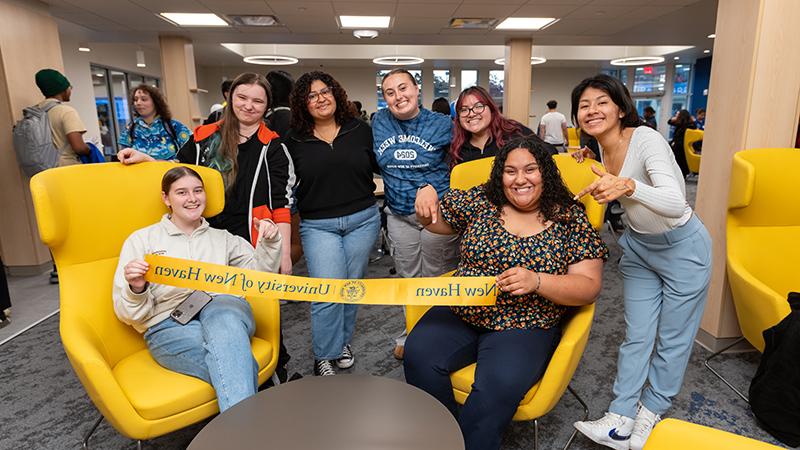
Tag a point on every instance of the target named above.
point(488, 249)
point(154, 139)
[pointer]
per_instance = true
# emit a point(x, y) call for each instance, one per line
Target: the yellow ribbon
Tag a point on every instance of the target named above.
point(221, 279)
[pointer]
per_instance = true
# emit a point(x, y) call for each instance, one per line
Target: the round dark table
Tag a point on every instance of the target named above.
point(352, 412)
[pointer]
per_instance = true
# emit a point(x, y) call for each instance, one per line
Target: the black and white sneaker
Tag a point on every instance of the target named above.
point(347, 359)
point(323, 368)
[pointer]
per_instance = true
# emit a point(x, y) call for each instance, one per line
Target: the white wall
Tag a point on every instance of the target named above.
point(547, 84)
point(554, 84)
point(76, 69)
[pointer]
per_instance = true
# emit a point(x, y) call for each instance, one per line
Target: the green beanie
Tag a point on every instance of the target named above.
point(51, 82)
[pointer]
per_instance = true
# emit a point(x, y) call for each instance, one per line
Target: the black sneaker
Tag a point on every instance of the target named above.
point(347, 359)
point(54, 277)
point(323, 368)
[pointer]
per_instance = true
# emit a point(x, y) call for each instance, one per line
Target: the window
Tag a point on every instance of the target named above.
point(469, 78)
point(496, 80)
point(417, 74)
point(111, 98)
point(441, 84)
point(620, 74)
point(680, 87)
point(649, 80)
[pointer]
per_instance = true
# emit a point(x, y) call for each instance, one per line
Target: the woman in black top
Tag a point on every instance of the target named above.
point(480, 129)
point(682, 121)
point(332, 152)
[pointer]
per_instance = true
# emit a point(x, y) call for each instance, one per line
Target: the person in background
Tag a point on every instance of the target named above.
point(65, 123)
point(410, 144)
point(523, 227)
point(441, 105)
point(360, 111)
point(153, 130)
point(332, 152)
point(215, 116)
point(700, 118)
point(650, 117)
point(215, 345)
point(553, 127)
point(682, 121)
point(665, 265)
point(481, 130)
point(279, 115)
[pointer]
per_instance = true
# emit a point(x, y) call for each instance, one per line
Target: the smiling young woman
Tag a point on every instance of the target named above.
point(153, 131)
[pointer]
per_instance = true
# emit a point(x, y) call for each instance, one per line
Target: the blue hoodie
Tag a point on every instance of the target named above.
point(411, 153)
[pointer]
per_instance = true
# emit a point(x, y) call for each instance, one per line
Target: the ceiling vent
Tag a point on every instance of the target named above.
point(254, 21)
point(482, 23)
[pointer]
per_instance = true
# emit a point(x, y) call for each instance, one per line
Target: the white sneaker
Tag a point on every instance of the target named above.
point(612, 430)
point(347, 359)
point(645, 421)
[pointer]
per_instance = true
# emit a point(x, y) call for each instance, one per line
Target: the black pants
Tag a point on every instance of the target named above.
point(510, 362)
point(5, 297)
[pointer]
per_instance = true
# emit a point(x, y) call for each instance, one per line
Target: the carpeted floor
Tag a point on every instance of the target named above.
point(44, 406)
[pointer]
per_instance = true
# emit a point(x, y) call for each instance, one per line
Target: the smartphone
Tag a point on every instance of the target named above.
point(190, 307)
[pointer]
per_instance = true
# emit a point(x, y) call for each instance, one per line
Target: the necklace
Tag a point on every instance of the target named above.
point(247, 132)
point(614, 158)
point(327, 137)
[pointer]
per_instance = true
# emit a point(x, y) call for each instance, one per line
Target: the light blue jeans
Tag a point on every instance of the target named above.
point(337, 248)
point(214, 346)
point(665, 280)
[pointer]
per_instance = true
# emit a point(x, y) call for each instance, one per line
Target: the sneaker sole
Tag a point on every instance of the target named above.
point(617, 445)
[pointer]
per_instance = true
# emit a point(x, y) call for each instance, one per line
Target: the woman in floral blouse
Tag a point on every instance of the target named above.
point(523, 227)
point(153, 131)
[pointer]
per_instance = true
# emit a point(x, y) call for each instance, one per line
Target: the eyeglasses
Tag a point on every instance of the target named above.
point(477, 108)
point(314, 96)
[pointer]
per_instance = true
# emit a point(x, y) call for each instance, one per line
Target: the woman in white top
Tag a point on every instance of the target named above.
point(666, 261)
point(215, 346)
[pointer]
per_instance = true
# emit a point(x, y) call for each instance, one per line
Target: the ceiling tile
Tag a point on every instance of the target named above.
point(302, 8)
point(427, 10)
point(599, 12)
point(303, 23)
point(239, 7)
point(641, 3)
point(184, 6)
point(544, 10)
point(507, 2)
point(649, 12)
point(405, 25)
point(364, 8)
point(485, 10)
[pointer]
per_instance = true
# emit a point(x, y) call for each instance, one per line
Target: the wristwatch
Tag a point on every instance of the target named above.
point(424, 185)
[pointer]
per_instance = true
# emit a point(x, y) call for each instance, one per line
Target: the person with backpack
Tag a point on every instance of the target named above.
point(66, 126)
point(153, 130)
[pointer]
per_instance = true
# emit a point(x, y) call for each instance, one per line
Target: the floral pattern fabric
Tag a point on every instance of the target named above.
point(154, 139)
point(488, 249)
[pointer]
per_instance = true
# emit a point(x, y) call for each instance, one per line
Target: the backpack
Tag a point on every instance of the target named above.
point(33, 140)
point(775, 390)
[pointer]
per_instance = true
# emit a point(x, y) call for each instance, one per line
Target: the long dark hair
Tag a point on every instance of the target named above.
point(500, 128)
point(683, 120)
point(160, 103)
point(556, 200)
point(229, 143)
point(302, 121)
point(616, 90)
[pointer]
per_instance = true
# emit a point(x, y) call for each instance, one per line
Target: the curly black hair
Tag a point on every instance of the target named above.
point(556, 200)
point(302, 121)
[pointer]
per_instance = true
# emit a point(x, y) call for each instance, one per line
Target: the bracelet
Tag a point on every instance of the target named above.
point(538, 283)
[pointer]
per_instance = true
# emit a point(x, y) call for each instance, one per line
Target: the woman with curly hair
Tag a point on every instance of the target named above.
point(523, 227)
point(332, 152)
point(153, 130)
point(480, 129)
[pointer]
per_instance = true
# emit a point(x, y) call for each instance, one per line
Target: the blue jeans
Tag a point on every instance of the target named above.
point(665, 278)
point(510, 362)
point(337, 248)
point(215, 347)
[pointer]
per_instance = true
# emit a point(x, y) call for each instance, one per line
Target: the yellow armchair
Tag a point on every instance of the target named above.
point(574, 137)
point(84, 214)
point(545, 394)
point(692, 158)
point(763, 240)
point(671, 434)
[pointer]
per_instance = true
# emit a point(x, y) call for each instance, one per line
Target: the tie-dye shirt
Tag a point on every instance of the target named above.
point(154, 139)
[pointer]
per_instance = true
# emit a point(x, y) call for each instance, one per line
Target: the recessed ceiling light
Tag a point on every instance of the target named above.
point(676, 58)
point(637, 61)
point(271, 60)
point(712, 36)
point(195, 19)
point(364, 21)
point(253, 20)
point(534, 61)
point(365, 34)
point(706, 51)
point(398, 60)
point(84, 49)
point(526, 23)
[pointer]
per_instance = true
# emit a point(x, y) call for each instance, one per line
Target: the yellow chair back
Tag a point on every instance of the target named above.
point(84, 214)
point(574, 137)
point(692, 158)
point(763, 237)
